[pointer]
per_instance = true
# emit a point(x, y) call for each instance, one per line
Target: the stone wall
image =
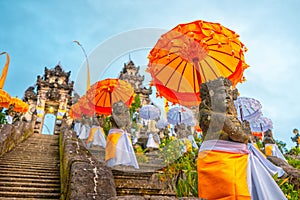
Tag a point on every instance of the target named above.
point(82, 175)
point(13, 134)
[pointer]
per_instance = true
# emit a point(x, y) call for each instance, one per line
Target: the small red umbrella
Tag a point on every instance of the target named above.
point(19, 105)
point(85, 107)
point(75, 112)
point(103, 94)
point(4, 99)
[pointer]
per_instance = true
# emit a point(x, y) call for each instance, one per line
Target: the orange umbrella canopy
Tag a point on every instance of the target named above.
point(103, 94)
point(194, 53)
point(4, 96)
point(75, 112)
point(82, 107)
point(4, 99)
point(19, 105)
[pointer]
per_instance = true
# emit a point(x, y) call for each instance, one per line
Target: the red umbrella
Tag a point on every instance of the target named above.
point(85, 107)
point(19, 105)
point(75, 112)
point(103, 94)
point(4, 99)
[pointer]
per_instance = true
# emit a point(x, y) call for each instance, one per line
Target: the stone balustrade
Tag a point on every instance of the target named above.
point(82, 176)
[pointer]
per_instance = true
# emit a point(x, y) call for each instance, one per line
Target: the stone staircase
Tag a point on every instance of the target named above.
point(137, 182)
point(31, 170)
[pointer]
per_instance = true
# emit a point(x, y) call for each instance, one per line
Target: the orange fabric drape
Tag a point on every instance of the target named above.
point(92, 134)
point(222, 175)
point(111, 144)
point(268, 150)
point(4, 70)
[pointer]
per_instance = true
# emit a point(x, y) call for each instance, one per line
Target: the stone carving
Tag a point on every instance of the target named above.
point(217, 114)
point(296, 138)
point(52, 88)
point(181, 131)
point(268, 137)
point(120, 116)
point(30, 94)
point(53, 94)
point(130, 74)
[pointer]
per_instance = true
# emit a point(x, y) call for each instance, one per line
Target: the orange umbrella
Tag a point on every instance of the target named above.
point(4, 96)
point(258, 134)
point(75, 112)
point(103, 94)
point(85, 107)
point(19, 105)
point(82, 107)
point(191, 54)
point(4, 99)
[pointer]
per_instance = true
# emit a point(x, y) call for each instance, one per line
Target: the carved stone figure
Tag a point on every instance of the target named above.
point(30, 94)
point(53, 94)
point(268, 137)
point(120, 116)
point(217, 114)
point(182, 131)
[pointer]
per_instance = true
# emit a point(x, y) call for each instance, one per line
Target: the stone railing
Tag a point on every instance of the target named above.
point(82, 176)
point(13, 134)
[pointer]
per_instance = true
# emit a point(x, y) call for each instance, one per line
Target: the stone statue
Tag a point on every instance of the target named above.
point(182, 131)
point(120, 117)
point(268, 137)
point(296, 138)
point(217, 114)
point(119, 149)
point(30, 94)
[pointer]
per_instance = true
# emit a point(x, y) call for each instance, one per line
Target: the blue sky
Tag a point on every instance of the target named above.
point(40, 34)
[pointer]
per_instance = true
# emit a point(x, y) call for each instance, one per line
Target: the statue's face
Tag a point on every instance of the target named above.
point(222, 99)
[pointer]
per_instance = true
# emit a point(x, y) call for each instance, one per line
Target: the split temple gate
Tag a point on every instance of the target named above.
point(53, 96)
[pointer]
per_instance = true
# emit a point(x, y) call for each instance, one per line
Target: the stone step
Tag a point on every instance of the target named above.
point(12, 171)
point(44, 165)
point(45, 176)
point(30, 195)
point(29, 168)
point(44, 158)
point(28, 184)
point(30, 189)
point(44, 136)
point(28, 180)
point(28, 155)
point(39, 148)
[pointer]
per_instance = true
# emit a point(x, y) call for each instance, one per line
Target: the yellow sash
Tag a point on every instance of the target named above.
point(111, 143)
point(222, 175)
point(91, 134)
point(268, 150)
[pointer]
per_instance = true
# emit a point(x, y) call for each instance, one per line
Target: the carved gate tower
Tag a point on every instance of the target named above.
point(54, 96)
point(130, 74)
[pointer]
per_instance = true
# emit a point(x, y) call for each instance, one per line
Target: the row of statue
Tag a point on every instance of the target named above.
point(227, 143)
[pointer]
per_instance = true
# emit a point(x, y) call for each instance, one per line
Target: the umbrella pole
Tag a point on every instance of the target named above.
point(261, 128)
point(241, 113)
point(180, 117)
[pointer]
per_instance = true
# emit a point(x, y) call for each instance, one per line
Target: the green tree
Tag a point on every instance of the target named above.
point(281, 145)
point(2, 118)
point(136, 104)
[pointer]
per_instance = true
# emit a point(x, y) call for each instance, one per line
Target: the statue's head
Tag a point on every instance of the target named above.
point(120, 115)
point(268, 133)
point(295, 131)
point(219, 95)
